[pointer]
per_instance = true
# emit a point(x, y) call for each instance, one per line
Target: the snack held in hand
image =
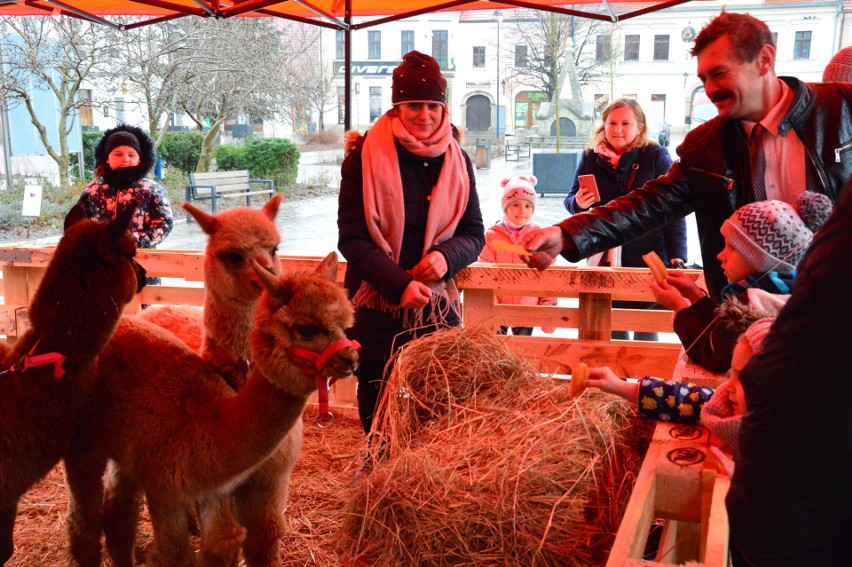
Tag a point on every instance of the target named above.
point(509, 247)
point(578, 379)
point(656, 265)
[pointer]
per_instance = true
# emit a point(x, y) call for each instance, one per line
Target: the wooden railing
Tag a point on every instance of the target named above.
point(688, 496)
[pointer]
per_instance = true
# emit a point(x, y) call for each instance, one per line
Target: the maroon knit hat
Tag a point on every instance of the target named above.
point(418, 79)
point(840, 67)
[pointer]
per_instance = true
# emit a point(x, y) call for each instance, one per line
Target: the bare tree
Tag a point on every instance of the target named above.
point(554, 41)
point(57, 54)
point(309, 77)
point(150, 61)
point(212, 88)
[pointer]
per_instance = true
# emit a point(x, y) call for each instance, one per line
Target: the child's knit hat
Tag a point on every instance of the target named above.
point(121, 138)
point(418, 79)
point(840, 67)
point(517, 188)
point(773, 235)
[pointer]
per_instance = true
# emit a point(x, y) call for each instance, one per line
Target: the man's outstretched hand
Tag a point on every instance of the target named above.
point(544, 244)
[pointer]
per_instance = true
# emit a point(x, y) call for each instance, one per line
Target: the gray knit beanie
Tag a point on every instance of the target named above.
point(773, 235)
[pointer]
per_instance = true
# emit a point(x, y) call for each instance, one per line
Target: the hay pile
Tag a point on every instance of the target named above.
point(481, 461)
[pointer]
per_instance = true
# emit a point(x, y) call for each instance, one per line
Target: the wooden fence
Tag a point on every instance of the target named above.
point(688, 495)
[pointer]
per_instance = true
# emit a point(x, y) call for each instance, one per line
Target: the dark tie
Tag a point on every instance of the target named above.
point(758, 163)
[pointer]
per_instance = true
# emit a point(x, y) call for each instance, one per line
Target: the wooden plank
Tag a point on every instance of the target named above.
point(172, 295)
point(479, 308)
point(626, 358)
point(716, 549)
point(636, 523)
point(595, 316)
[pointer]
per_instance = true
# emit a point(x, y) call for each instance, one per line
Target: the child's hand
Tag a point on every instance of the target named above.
point(668, 296)
point(603, 378)
point(686, 285)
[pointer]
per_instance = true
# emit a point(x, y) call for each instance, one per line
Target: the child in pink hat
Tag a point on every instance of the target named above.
point(518, 203)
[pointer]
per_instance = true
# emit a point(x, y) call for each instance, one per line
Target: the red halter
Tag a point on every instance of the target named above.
point(313, 364)
point(31, 360)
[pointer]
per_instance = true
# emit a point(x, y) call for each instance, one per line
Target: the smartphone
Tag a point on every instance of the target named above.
point(588, 181)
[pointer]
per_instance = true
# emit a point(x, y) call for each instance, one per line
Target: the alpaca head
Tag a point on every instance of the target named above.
point(238, 236)
point(90, 279)
point(309, 311)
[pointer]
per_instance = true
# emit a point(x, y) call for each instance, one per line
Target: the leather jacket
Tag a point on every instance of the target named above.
point(712, 178)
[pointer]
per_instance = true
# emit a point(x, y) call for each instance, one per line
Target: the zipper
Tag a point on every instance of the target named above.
point(727, 180)
point(842, 148)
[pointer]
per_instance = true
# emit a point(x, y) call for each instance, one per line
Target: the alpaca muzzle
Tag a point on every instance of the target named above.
point(338, 360)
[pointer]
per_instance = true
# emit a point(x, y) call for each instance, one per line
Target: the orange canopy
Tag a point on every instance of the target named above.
point(329, 13)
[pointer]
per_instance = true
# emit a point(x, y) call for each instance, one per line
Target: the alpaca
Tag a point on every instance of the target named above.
point(231, 292)
point(170, 424)
point(48, 375)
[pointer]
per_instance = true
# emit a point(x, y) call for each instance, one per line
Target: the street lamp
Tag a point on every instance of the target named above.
point(499, 15)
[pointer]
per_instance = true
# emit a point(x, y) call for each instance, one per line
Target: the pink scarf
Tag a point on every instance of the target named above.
point(384, 208)
point(608, 154)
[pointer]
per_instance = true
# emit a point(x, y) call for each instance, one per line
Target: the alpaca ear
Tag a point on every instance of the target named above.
point(328, 267)
point(119, 225)
point(205, 220)
point(270, 209)
point(75, 215)
point(275, 286)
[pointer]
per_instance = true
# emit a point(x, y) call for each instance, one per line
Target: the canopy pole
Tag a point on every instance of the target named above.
point(347, 66)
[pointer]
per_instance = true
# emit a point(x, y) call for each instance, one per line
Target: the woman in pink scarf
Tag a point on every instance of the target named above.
point(408, 221)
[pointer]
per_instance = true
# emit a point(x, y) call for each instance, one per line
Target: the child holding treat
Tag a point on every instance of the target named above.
point(764, 242)
point(718, 410)
point(518, 204)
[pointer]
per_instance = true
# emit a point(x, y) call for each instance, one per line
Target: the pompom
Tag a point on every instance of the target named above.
point(814, 208)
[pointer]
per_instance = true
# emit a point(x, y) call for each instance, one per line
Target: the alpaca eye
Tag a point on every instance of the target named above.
point(233, 259)
point(307, 332)
point(273, 251)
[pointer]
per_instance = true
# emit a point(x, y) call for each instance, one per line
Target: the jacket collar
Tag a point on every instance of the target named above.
point(803, 101)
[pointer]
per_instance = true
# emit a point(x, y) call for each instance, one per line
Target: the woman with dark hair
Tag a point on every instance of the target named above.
point(123, 156)
point(621, 157)
point(408, 221)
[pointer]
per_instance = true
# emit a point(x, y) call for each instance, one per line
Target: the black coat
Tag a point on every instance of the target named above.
point(649, 163)
point(790, 501)
point(713, 178)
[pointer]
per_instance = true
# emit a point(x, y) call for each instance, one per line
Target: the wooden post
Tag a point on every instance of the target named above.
point(595, 316)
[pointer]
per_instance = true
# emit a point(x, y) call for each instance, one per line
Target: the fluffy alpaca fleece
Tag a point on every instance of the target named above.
point(174, 428)
point(90, 279)
point(235, 237)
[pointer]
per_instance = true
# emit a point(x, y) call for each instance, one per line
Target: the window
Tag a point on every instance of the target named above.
point(440, 47)
point(802, 45)
point(631, 48)
point(374, 45)
point(375, 103)
point(479, 56)
point(602, 50)
point(341, 105)
point(119, 109)
point(521, 59)
point(340, 45)
point(661, 48)
point(406, 43)
point(775, 39)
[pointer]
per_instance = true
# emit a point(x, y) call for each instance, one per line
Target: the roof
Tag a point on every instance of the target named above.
point(329, 13)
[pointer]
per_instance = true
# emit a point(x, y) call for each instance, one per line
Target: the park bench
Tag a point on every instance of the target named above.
point(215, 185)
point(518, 149)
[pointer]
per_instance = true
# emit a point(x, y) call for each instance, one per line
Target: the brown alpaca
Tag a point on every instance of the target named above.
point(173, 427)
point(231, 293)
point(90, 279)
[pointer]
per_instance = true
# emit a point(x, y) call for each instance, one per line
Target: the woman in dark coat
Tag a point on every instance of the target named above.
point(621, 157)
point(408, 221)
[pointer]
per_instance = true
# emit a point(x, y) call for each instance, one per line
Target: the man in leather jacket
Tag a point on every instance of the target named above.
point(810, 127)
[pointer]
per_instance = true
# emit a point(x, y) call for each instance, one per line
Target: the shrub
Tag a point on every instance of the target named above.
point(264, 158)
point(90, 140)
point(181, 150)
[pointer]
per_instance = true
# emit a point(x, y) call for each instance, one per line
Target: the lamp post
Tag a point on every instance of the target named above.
point(499, 15)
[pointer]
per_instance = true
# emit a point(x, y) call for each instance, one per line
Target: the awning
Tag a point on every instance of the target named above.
point(330, 13)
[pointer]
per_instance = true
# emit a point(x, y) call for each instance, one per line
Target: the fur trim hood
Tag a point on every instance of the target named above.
point(147, 154)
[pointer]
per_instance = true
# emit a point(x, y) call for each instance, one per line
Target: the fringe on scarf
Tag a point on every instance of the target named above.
point(438, 313)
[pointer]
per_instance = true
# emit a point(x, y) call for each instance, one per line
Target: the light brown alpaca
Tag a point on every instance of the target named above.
point(178, 431)
point(235, 236)
point(90, 279)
